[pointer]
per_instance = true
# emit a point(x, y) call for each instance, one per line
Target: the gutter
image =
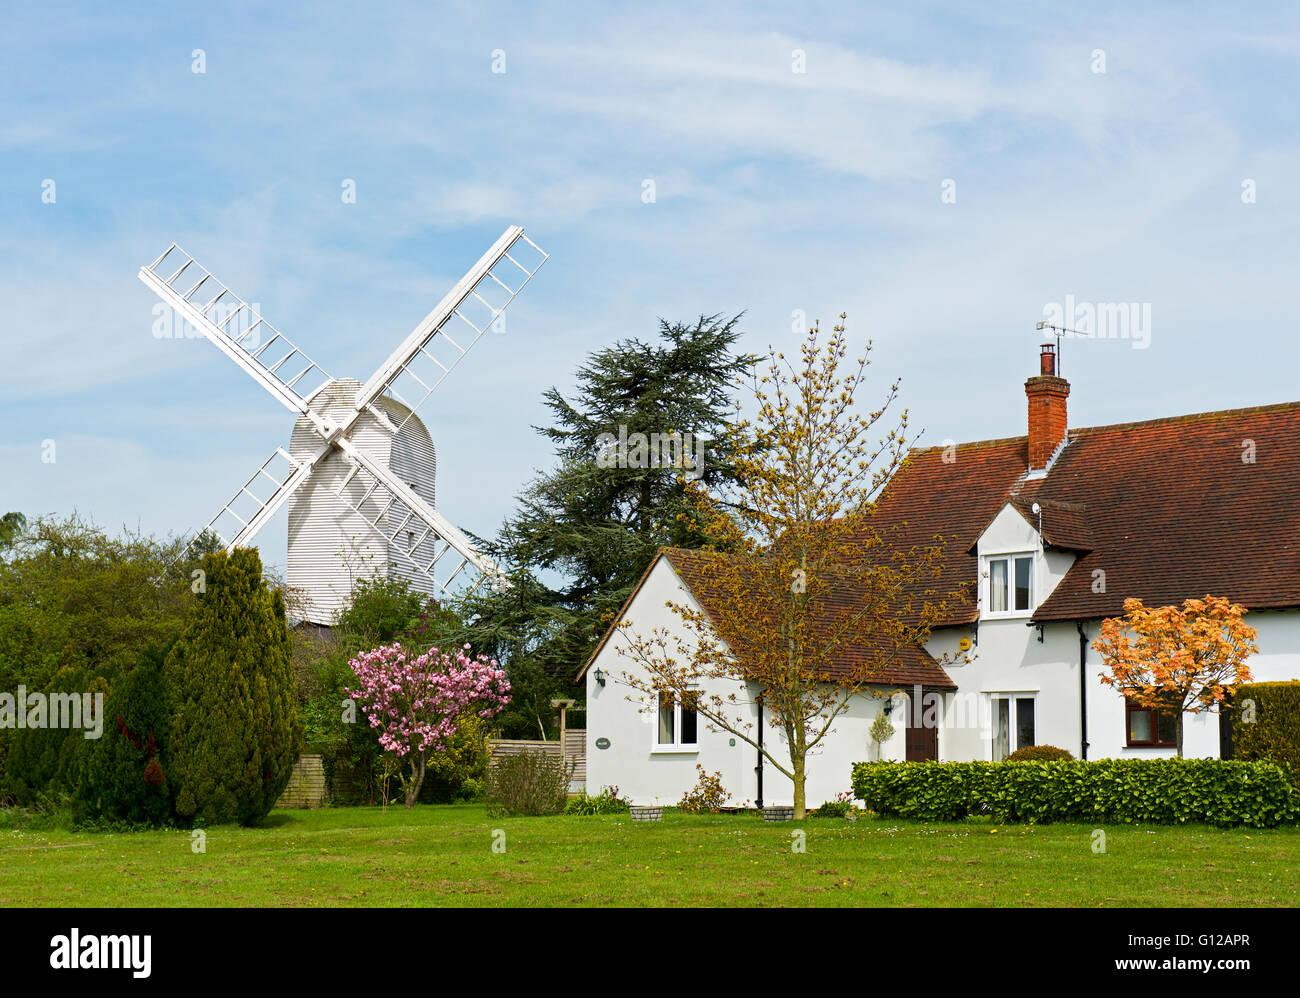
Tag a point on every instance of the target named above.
point(1083, 691)
point(759, 768)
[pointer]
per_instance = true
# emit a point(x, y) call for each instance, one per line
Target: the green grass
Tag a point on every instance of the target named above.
point(443, 856)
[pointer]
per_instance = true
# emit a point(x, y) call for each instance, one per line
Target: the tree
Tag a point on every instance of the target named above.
point(1181, 660)
point(586, 529)
point(11, 525)
point(124, 775)
point(417, 702)
point(814, 602)
point(77, 609)
point(881, 731)
point(235, 733)
point(380, 608)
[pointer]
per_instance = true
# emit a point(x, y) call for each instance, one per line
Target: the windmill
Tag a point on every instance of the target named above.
point(359, 471)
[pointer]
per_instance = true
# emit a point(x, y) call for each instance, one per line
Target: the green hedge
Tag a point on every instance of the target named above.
point(1274, 734)
point(1109, 791)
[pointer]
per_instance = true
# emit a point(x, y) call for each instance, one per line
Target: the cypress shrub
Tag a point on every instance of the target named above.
point(1266, 724)
point(231, 693)
point(124, 777)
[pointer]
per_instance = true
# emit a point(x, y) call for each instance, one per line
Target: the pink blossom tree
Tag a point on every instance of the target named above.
point(417, 701)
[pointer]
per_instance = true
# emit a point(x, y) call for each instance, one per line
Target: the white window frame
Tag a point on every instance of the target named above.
point(986, 584)
point(1013, 728)
point(676, 745)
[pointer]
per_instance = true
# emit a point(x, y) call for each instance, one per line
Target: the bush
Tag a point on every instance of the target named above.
point(1274, 734)
point(706, 797)
point(1161, 791)
point(606, 802)
point(125, 779)
point(235, 733)
point(1039, 753)
point(526, 783)
point(837, 808)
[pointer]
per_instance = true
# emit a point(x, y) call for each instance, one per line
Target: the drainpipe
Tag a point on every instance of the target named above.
point(1083, 691)
point(759, 768)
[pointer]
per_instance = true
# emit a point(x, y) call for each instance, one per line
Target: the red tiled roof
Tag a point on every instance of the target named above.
point(876, 662)
point(1174, 512)
point(1166, 508)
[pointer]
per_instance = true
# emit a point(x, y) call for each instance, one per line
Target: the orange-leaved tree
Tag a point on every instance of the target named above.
point(1181, 660)
point(804, 601)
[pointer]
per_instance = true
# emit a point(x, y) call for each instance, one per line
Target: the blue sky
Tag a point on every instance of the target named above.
point(776, 192)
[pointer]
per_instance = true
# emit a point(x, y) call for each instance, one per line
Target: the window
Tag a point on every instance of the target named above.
point(1148, 727)
point(678, 724)
point(1013, 724)
point(1011, 584)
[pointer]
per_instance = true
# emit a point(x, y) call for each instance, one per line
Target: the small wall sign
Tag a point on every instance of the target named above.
point(602, 743)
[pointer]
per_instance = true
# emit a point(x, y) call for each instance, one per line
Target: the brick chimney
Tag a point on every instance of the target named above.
point(1047, 394)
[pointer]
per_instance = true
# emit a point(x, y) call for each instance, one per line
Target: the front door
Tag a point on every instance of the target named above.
point(922, 733)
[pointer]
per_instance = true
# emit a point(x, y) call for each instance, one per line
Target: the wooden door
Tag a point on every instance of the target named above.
point(922, 734)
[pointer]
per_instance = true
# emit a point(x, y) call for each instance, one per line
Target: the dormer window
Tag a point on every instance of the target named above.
point(1010, 584)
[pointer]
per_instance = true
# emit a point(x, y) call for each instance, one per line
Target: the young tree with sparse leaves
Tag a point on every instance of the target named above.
point(815, 602)
point(1179, 660)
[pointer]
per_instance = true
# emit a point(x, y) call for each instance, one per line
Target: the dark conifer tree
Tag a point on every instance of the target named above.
point(585, 531)
point(230, 685)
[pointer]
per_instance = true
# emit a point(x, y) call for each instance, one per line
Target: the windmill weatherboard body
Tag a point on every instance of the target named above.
point(359, 472)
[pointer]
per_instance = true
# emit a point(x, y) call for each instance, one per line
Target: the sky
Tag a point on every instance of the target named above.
point(947, 175)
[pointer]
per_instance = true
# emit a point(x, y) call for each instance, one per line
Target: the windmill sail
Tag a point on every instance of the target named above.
point(425, 358)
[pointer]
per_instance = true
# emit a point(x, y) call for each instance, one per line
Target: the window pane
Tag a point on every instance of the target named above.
point(1023, 569)
point(1024, 722)
point(1001, 728)
point(665, 719)
point(998, 585)
point(1139, 726)
point(689, 724)
point(1168, 727)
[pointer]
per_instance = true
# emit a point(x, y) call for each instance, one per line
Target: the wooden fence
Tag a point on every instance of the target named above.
point(575, 752)
point(307, 784)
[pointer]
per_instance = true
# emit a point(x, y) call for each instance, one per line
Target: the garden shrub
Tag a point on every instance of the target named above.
point(607, 801)
point(235, 733)
point(526, 783)
point(1040, 753)
point(837, 808)
point(706, 797)
point(1274, 732)
point(125, 776)
point(1160, 791)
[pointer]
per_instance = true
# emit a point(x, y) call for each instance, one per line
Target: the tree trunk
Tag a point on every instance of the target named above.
point(1178, 727)
point(800, 799)
point(415, 782)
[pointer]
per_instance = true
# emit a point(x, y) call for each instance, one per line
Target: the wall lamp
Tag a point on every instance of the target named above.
point(600, 678)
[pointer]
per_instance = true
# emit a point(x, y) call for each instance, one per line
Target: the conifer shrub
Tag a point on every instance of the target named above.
point(124, 778)
point(235, 733)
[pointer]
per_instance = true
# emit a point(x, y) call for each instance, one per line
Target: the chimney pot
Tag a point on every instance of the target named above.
point(1047, 414)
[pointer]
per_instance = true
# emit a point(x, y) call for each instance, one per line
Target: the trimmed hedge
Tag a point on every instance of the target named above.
point(1109, 791)
point(1274, 734)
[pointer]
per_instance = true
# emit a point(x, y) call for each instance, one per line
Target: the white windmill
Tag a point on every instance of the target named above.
point(359, 471)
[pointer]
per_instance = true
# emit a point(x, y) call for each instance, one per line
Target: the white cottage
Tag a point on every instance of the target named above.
point(1050, 532)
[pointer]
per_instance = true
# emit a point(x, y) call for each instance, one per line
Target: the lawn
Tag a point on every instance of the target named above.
point(444, 856)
